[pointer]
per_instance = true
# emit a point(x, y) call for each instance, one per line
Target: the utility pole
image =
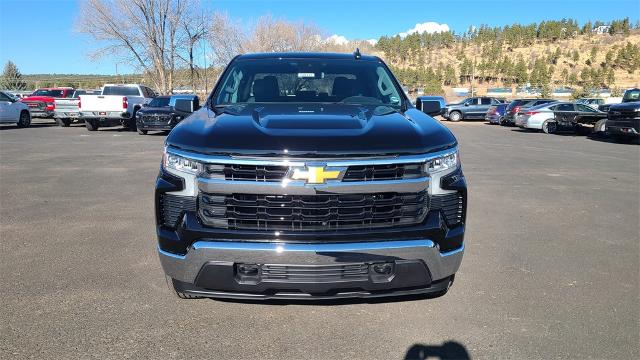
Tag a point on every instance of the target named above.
point(473, 76)
point(204, 55)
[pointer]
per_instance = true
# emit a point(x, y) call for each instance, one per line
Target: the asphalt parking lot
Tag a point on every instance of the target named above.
point(551, 268)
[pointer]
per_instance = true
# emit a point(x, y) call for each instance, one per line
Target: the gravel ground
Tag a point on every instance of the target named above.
point(551, 268)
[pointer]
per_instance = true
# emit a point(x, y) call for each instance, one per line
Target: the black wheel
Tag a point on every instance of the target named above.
point(63, 122)
point(142, 132)
point(92, 125)
point(24, 120)
point(455, 116)
point(172, 286)
point(600, 127)
point(549, 127)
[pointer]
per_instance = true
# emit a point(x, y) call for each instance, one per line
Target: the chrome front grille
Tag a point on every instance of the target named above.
point(266, 173)
point(156, 119)
point(323, 212)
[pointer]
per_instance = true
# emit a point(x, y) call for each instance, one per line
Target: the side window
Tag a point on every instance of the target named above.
point(485, 101)
point(564, 107)
point(472, 101)
point(585, 108)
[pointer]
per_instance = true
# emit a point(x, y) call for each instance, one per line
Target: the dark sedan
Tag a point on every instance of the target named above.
point(574, 117)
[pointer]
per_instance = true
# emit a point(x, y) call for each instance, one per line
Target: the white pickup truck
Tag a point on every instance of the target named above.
point(66, 109)
point(117, 104)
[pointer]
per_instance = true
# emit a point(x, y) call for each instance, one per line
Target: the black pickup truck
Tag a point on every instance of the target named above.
point(163, 113)
point(623, 120)
point(310, 176)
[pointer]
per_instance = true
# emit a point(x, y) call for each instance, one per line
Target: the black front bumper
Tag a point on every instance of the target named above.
point(624, 127)
point(208, 262)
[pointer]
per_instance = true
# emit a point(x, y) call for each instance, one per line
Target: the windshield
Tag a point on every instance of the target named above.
point(308, 81)
point(159, 102)
point(631, 95)
point(121, 90)
point(45, 92)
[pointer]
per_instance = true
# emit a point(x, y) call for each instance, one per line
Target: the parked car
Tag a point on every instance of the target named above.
point(164, 112)
point(538, 117)
point(261, 192)
point(574, 117)
point(12, 111)
point(42, 102)
point(514, 107)
point(66, 110)
point(420, 100)
point(495, 113)
point(623, 120)
point(471, 108)
point(117, 104)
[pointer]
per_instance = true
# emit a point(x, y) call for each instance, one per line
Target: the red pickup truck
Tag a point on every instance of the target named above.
point(42, 102)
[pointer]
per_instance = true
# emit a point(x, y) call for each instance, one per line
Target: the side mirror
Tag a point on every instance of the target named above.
point(184, 105)
point(145, 104)
point(466, 104)
point(431, 107)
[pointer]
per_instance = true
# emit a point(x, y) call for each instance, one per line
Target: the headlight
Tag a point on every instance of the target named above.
point(181, 164)
point(442, 163)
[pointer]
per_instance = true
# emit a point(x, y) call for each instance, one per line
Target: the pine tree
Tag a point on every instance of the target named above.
point(12, 78)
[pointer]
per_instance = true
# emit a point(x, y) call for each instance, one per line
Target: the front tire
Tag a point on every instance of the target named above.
point(455, 116)
point(63, 122)
point(549, 127)
point(92, 125)
point(142, 132)
point(24, 120)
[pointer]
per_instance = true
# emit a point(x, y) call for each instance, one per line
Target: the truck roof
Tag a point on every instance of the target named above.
point(305, 55)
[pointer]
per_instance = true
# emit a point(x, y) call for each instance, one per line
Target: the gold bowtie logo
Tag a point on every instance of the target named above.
point(315, 174)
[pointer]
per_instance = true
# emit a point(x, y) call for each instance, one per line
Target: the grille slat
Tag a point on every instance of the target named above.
point(451, 205)
point(313, 213)
point(315, 273)
point(173, 206)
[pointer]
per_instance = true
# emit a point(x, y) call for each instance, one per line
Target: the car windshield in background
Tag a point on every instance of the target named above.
point(159, 102)
point(308, 81)
point(52, 93)
point(121, 90)
point(633, 95)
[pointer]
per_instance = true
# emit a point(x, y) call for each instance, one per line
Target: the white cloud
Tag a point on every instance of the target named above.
point(337, 39)
point(428, 27)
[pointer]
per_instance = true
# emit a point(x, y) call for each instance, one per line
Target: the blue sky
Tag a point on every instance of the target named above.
point(39, 36)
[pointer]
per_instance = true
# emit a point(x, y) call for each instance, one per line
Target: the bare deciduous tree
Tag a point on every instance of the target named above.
point(145, 33)
point(228, 39)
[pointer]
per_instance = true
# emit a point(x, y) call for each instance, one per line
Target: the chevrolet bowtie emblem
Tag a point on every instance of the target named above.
point(315, 174)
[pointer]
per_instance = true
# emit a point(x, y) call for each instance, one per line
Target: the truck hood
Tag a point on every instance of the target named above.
point(310, 130)
point(39, 98)
point(625, 106)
